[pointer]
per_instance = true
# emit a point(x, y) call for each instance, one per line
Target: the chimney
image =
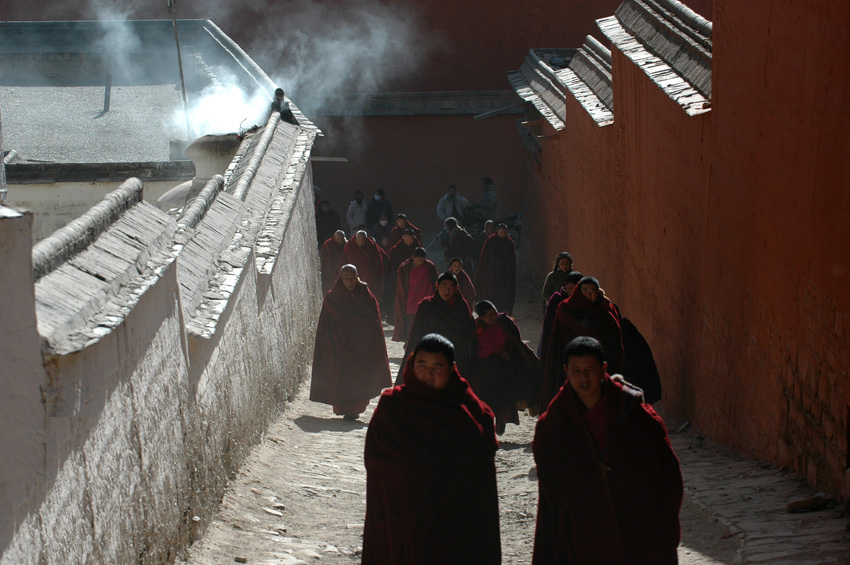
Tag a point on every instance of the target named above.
point(212, 154)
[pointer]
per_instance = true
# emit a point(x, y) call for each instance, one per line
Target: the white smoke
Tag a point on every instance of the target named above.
point(223, 107)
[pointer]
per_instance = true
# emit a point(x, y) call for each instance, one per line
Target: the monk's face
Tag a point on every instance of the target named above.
point(431, 369)
point(401, 223)
point(569, 288)
point(590, 291)
point(349, 279)
point(446, 289)
point(419, 261)
point(408, 240)
point(339, 238)
point(456, 267)
point(565, 265)
point(490, 317)
point(361, 240)
point(502, 232)
point(585, 375)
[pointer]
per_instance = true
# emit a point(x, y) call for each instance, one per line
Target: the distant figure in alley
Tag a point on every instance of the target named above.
point(350, 365)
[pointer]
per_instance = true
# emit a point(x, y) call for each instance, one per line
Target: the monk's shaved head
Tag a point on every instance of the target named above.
point(348, 268)
point(339, 236)
point(348, 276)
point(361, 237)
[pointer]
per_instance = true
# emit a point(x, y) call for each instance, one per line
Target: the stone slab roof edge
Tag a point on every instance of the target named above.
point(535, 82)
point(194, 212)
point(673, 84)
point(81, 232)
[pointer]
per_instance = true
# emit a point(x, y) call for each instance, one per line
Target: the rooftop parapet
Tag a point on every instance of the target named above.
point(90, 273)
point(671, 43)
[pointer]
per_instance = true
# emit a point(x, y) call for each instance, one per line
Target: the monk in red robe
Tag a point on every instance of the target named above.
point(399, 253)
point(504, 369)
point(610, 486)
point(555, 300)
point(350, 364)
point(416, 279)
point(464, 283)
point(445, 313)
point(402, 224)
point(331, 259)
point(587, 312)
point(495, 274)
point(430, 472)
point(365, 254)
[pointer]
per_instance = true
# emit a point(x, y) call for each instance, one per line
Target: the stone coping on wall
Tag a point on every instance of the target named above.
point(536, 82)
point(588, 79)
point(670, 43)
point(90, 273)
point(433, 103)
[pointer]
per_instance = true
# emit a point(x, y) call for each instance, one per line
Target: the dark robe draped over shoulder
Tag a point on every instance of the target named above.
point(495, 273)
point(401, 330)
point(399, 253)
point(331, 260)
point(625, 511)
point(369, 261)
point(639, 364)
point(549, 320)
point(453, 321)
point(466, 288)
point(500, 382)
point(350, 364)
point(578, 316)
point(430, 477)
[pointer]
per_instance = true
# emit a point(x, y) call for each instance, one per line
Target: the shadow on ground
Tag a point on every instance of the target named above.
point(312, 424)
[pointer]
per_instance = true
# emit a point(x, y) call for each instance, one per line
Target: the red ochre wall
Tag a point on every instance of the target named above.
point(725, 236)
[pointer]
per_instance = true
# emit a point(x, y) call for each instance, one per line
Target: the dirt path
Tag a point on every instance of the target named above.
point(301, 495)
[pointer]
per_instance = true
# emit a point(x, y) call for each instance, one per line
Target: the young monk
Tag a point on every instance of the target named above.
point(558, 277)
point(430, 473)
point(464, 283)
point(552, 307)
point(399, 253)
point(586, 312)
point(495, 274)
point(609, 482)
point(350, 365)
point(504, 369)
point(415, 281)
point(402, 224)
point(446, 313)
point(331, 259)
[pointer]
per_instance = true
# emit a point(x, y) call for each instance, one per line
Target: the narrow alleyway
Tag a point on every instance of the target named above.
point(300, 496)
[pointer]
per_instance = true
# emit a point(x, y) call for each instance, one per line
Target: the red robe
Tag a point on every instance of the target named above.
point(397, 233)
point(369, 261)
point(579, 316)
point(500, 382)
point(495, 274)
point(350, 364)
point(467, 289)
point(401, 330)
point(331, 260)
point(627, 513)
point(430, 477)
point(451, 320)
point(399, 253)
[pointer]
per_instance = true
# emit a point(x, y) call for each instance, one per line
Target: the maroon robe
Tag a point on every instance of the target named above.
point(331, 260)
point(399, 253)
point(579, 316)
point(397, 233)
point(401, 330)
point(500, 382)
point(452, 321)
point(431, 492)
point(467, 289)
point(495, 274)
point(369, 261)
point(350, 364)
point(626, 511)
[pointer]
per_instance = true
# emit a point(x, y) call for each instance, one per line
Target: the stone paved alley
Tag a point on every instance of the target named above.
point(300, 496)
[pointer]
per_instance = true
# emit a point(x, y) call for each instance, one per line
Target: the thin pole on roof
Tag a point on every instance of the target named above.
point(180, 66)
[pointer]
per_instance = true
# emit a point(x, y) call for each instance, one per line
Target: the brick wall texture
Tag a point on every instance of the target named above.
point(723, 236)
point(145, 426)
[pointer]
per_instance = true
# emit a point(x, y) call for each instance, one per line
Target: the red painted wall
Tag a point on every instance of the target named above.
point(724, 237)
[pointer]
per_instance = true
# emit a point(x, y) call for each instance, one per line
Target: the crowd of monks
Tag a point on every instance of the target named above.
point(610, 487)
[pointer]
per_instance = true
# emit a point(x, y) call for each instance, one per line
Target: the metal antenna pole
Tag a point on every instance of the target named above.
point(180, 66)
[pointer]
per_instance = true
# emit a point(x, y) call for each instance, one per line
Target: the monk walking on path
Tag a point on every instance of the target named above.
point(430, 473)
point(350, 365)
point(495, 274)
point(331, 259)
